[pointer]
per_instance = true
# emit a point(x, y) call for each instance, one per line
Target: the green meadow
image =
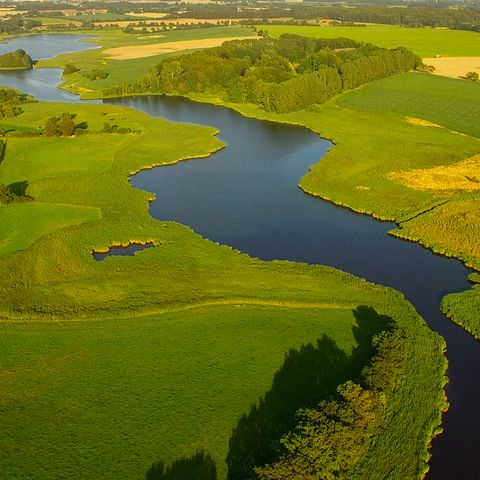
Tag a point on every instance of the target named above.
point(125, 393)
point(108, 367)
point(426, 42)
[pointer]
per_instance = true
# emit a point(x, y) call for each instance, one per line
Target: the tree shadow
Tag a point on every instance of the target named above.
point(199, 466)
point(19, 188)
point(307, 376)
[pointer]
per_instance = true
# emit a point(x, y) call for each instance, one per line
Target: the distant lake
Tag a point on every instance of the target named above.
point(42, 82)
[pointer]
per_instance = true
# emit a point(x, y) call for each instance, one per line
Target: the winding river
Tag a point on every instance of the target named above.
point(246, 196)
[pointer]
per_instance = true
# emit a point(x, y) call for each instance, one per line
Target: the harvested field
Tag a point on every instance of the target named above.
point(454, 66)
point(147, 15)
point(463, 175)
point(141, 51)
point(168, 21)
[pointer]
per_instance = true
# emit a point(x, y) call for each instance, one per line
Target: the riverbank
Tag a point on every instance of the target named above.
point(58, 280)
point(367, 177)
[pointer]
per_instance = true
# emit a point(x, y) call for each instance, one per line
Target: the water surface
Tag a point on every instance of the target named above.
point(42, 83)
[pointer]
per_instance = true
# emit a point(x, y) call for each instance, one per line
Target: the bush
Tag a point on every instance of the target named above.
point(96, 75)
point(69, 69)
point(472, 76)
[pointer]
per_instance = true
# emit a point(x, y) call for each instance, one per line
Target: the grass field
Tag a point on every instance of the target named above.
point(107, 367)
point(143, 390)
point(426, 42)
point(22, 224)
point(129, 70)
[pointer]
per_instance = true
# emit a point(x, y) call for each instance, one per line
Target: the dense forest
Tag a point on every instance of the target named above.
point(281, 75)
point(18, 59)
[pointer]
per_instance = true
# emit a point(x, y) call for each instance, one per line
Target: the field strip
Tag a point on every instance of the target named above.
point(142, 51)
point(454, 67)
point(235, 302)
point(464, 175)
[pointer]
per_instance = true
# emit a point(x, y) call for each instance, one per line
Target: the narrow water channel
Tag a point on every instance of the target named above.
point(246, 196)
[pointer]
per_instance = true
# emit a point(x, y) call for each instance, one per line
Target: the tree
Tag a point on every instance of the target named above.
point(69, 68)
point(51, 127)
point(66, 126)
point(472, 76)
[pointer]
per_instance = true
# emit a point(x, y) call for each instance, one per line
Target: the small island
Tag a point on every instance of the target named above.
point(17, 60)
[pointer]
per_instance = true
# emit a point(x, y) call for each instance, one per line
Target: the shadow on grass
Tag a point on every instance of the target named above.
point(199, 466)
point(19, 188)
point(307, 376)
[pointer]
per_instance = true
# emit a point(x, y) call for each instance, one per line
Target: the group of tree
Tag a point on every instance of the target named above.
point(472, 76)
point(282, 75)
point(60, 126)
point(17, 24)
point(95, 74)
point(69, 69)
point(330, 439)
point(18, 59)
point(109, 128)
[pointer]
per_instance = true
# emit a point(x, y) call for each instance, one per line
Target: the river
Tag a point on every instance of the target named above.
point(246, 196)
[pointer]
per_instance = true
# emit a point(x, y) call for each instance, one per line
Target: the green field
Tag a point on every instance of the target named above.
point(55, 20)
point(107, 367)
point(124, 394)
point(426, 42)
point(22, 224)
point(125, 70)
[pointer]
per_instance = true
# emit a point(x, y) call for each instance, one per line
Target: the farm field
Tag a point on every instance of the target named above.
point(45, 21)
point(141, 51)
point(128, 70)
point(455, 67)
point(123, 331)
point(426, 42)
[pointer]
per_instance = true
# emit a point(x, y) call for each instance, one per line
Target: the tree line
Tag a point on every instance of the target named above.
point(17, 24)
point(281, 75)
point(330, 439)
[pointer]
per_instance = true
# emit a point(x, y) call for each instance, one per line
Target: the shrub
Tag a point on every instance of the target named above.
point(472, 76)
point(69, 69)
